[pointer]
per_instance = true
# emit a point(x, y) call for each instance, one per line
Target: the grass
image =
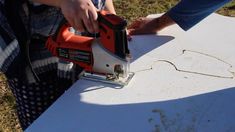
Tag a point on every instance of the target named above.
point(228, 10)
point(8, 118)
point(129, 9)
point(133, 9)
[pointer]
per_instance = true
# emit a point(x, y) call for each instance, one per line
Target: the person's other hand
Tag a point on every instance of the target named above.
point(144, 26)
point(149, 25)
point(81, 14)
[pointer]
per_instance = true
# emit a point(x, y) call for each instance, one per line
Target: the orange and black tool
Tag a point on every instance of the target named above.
point(78, 49)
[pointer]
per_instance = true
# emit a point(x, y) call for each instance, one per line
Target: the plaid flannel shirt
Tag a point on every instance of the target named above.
point(42, 61)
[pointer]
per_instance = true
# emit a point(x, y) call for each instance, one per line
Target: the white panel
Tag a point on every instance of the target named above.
point(171, 90)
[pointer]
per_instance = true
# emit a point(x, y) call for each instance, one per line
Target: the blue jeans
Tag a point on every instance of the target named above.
point(188, 13)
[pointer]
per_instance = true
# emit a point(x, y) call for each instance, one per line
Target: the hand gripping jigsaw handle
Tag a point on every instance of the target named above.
point(71, 47)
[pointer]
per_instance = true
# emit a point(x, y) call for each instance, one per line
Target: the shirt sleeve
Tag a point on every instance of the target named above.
point(188, 13)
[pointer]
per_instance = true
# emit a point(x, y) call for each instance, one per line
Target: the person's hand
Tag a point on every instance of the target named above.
point(144, 26)
point(81, 14)
point(149, 25)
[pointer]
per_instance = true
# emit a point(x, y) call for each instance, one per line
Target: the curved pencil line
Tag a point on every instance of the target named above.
point(185, 71)
point(208, 56)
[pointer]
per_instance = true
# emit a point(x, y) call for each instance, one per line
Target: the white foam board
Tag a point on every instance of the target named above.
point(184, 81)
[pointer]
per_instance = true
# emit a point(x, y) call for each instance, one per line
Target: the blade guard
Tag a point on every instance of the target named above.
point(70, 47)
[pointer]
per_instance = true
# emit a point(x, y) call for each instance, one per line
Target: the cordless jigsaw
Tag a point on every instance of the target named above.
point(104, 58)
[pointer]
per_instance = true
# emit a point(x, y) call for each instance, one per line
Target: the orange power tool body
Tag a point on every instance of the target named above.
point(107, 54)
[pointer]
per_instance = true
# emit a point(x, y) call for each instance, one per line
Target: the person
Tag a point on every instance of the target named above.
point(186, 14)
point(35, 77)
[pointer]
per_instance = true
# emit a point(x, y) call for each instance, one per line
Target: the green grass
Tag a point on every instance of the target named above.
point(133, 9)
point(129, 9)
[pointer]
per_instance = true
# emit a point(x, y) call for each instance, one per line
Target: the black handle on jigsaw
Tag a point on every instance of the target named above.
point(113, 34)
